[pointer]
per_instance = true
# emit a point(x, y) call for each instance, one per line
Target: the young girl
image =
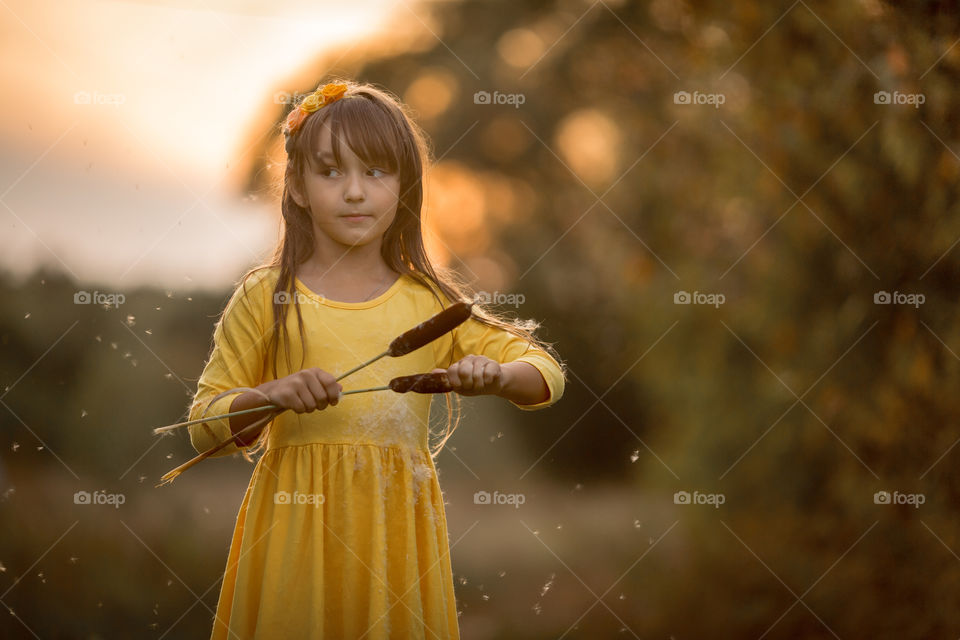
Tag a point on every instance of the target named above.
point(342, 532)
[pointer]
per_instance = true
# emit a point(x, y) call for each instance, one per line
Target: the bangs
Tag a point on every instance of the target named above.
point(364, 126)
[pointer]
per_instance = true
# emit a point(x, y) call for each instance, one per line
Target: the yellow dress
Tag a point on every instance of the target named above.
point(342, 532)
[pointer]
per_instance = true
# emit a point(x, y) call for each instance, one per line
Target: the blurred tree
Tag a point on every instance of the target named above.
point(798, 198)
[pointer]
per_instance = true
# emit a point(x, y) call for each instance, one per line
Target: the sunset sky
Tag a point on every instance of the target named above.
point(124, 124)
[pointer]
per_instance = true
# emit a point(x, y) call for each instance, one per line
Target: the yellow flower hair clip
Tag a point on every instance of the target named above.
point(324, 95)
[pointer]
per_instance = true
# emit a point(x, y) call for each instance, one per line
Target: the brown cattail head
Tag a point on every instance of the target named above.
point(422, 383)
point(429, 330)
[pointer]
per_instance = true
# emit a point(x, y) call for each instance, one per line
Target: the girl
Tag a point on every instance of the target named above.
point(342, 531)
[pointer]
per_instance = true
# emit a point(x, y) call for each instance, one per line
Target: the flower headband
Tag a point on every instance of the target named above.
point(324, 95)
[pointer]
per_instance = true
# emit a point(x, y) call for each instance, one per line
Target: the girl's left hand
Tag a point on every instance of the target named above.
point(475, 375)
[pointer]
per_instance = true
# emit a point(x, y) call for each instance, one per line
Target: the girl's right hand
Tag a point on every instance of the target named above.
point(304, 391)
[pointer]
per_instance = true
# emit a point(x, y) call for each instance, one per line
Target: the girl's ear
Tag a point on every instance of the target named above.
point(293, 186)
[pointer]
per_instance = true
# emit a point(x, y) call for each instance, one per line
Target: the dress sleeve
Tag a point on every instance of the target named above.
point(476, 338)
point(237, 360)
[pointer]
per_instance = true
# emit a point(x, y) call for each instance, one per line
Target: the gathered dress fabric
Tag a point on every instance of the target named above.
point(342, 532)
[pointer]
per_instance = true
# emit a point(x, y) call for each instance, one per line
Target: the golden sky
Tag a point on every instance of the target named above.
point(121, 121)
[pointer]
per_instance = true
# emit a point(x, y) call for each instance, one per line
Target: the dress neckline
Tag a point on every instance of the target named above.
point(366, 304)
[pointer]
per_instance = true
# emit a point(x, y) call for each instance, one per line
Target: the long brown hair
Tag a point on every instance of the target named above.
point(379, 129)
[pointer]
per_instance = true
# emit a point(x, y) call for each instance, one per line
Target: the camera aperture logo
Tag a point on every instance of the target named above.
point(285, 497)
point(485, 97)
point(484, 497)
point(698, 98)
point(99, 298)
point(99, 497)
point(684, 297)
point(913, 499)
point(685, 497)
point(898, 297)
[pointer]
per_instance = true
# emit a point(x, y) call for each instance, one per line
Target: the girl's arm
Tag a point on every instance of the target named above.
point(246, 400)
point(237, 360)
point(523, 383)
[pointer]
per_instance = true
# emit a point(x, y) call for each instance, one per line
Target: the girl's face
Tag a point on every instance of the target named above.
point(351, 204)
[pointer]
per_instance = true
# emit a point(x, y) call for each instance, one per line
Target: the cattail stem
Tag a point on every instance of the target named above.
point(188, 423)
point(265, 407)
point(211, 418)
point(383, 388)
point(362, 365)
point(250, 429)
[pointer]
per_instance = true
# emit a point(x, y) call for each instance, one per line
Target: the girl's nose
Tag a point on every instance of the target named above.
point(354, 188)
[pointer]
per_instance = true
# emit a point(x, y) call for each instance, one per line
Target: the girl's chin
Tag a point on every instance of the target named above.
point(352, 235)
point(359, 239)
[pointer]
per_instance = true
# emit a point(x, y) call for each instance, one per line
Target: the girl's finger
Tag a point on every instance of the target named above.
point(333, 391)
point(435, 371)
point(316, 389)
point(478, 374)
point(306, 398)
point(468, 380)
point(453, 375)
point(490, 373)
point(291, 400)
point(331, 386)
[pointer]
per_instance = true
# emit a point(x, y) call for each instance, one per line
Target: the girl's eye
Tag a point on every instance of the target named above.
point(325, 171)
